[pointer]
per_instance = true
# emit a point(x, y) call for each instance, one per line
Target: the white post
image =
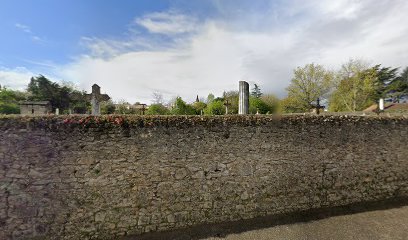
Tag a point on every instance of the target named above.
point(243, 107)
point(57, 111)
point(381, 104)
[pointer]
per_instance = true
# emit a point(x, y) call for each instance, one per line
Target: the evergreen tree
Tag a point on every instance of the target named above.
point(256, 91)
point(182, 108)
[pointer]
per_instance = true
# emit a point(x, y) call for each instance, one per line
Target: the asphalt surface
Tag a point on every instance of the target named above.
point(372, 225)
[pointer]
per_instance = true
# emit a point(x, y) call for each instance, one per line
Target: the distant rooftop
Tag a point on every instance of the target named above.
point(35, 103)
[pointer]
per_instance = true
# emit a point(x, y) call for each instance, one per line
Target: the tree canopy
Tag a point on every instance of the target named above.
point(60, 96)
point(9, 101)
point(308, 84)
point(256, 91)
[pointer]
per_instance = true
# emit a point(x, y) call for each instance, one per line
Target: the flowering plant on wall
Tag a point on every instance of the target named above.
point(97, 121)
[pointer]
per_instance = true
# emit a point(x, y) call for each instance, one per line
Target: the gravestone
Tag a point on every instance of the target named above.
point(318, 107)
point(381, 104)
point(96, 98)
point(243, 107)
point(226, 104)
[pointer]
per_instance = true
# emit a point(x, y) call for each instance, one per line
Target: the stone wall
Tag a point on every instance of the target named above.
point(99, 178)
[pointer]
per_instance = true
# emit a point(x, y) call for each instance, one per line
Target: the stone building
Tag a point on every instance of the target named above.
point(35, 108)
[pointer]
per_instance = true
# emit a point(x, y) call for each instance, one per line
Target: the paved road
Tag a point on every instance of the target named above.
point(372, 225)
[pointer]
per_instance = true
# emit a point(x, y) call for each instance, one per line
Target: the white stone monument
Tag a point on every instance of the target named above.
point(381, 104)
point(96, 97)
point(243, 107)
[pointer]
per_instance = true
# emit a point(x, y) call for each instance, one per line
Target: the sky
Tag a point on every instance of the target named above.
point(188, 48)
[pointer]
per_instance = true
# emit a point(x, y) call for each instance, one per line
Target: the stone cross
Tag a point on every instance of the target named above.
point(226, 104)
point(243, 107)
point(96, 97)
point(143, 108)
point(318, 106)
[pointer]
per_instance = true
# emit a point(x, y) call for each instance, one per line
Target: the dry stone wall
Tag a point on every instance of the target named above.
point(100, 178)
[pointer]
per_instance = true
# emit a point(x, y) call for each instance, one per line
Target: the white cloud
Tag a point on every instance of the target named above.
point(26, 29)
point(167, 23)
point(37, 39)
point(217, 53)
point(23, 27)
point(16, 78)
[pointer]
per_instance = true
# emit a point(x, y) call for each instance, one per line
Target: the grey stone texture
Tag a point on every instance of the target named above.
point(35, 108)
point(96, 98)
point(243, 105)
point(65, 181)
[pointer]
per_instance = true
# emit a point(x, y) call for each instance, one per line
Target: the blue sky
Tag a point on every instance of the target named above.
point(184, 47)
point(49, 30)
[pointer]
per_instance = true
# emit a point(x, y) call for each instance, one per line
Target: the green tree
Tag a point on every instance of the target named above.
point(290, 105)
point(157, 109)
point(355, 88)
point(232, 98)
point(63, 96)
point(78, 102)
point(256, 91)
point(108, 107)
point(9, 101)
point(398, 88)
point(199, 107)
point(124, 107)
point(256, 105)
point(272, 102)
point(41, 89)
point(309, 83)
point(385, 77)
point(210, 98)
point(216, 107)
point(182, 108)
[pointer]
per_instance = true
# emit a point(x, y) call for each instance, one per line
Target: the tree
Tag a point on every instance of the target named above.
point(42, 89)
point(157, 109)
point(289, 105)
point(108, 107)
point(398, 87)
point(256, 91)
point(124, 107)
point(232, 98)
point(309, 83)
point(355, 89)
point(385, 77)
point(182, 108)
point(199, 107)
point(272, 102)
point(215, 107)
point(158, 98)
point(210, 98)
point(63, 96)
point(9, 101)
point(256, 105)
point(78, 102)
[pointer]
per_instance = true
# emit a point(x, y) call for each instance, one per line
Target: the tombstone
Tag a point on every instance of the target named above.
point(243, 107)
point(96, 97)
point(226, 104)
point(317, 107)
point(57, 111)
point(381, 104)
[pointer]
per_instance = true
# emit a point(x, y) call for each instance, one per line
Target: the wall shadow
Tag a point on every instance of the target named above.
point(226, 228)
